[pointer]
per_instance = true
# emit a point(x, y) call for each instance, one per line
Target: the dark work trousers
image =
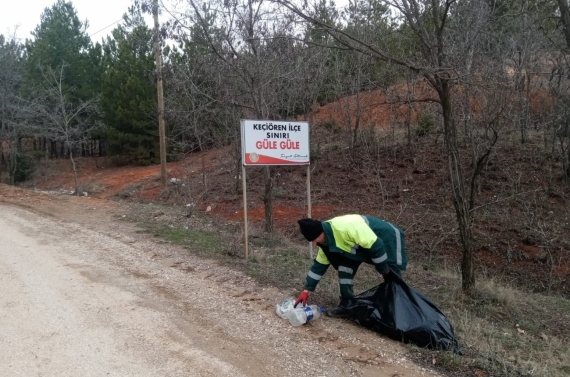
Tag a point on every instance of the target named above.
point(346, 270)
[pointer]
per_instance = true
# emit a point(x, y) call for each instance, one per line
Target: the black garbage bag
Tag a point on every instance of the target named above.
point(400, 312)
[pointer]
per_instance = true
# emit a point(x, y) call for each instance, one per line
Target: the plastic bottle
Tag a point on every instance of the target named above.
point(285, 307)
point(300, 316)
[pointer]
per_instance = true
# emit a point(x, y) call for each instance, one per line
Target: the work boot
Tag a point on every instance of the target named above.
point(339, 311)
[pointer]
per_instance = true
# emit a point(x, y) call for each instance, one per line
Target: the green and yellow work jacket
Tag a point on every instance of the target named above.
point(353, 239)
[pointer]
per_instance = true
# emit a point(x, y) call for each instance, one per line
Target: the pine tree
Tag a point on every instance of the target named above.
point(128, 93)
point(61, 47)
point(60, 40)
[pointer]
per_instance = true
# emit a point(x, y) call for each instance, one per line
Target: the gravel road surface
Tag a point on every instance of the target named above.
point(83, 294)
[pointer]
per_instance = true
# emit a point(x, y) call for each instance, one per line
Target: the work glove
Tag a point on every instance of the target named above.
point(302, 298)
point(390, 276)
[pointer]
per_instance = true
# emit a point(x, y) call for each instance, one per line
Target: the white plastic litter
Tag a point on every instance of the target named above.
point(301, 315)
point(285, 307)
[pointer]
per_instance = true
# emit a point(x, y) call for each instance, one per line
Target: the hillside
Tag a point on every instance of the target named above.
point(521, 227)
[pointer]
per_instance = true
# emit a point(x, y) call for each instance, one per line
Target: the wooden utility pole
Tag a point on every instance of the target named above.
point(161, 125)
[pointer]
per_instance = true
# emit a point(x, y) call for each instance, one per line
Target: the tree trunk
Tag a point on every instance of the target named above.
point(356, 121)
point(565, 18)
point(238, 160)
point(13, 161)
point(45, 148)
point(70, 149)
point(460, 200)
point(568, 166)
point(204, 170)
point(2, 158)
point(408, 122)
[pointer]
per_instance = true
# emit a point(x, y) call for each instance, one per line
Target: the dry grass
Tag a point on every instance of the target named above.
point(505, 347)
point(503, 331)
point(523, 204)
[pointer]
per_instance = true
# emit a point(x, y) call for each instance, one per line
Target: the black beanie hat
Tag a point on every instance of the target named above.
point(310, 228)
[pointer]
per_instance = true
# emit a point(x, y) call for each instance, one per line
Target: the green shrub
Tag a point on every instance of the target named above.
point(330, 125)
point(25, 168)
point(426, 124)
point(279, 193)
point(139, 157)
point(37, 155)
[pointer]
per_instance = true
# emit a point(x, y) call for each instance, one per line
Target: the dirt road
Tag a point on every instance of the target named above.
point(82, 294)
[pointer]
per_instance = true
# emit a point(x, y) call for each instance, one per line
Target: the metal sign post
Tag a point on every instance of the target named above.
point(266, 142)
point(309, 204)
point(244, 188)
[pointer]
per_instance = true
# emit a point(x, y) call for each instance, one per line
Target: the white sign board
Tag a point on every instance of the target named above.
point(266, 142)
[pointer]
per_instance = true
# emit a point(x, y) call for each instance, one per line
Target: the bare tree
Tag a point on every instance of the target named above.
point(256, 59)
point(434, 37)
point(563, 129)
point(63, 120)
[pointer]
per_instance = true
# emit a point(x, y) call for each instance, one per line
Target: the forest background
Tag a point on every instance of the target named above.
point(449, 118)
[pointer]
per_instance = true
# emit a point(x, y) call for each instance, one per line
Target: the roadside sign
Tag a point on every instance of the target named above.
point(265, 142)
